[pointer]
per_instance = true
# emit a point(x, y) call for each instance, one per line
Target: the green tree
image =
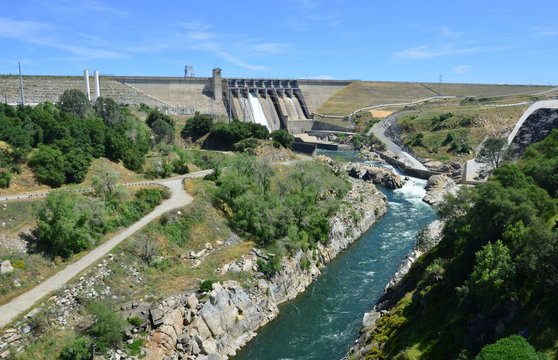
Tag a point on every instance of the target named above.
point(283, 137)
point(197, 126)
point(492, 152)
point(48, 165)
point(5, 179)
point(492, 280)
point(510, 348)
point(76, 164)
point(108, 110)
point(74, 101)
point(64, 224)
point(163, 131)
point(133, 159)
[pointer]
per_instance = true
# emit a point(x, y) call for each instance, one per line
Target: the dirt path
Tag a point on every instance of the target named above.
point(179, 198)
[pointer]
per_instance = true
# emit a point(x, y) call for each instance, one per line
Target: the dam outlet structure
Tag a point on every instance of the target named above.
point(275, 104)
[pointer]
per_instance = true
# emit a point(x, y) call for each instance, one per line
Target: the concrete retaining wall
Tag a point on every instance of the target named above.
point(407, 170)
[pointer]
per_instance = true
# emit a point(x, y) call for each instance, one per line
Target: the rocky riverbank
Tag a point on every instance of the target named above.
point(393, 291)
point(215, 325)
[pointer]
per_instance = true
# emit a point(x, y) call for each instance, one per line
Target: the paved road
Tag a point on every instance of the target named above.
point(179, 198)
point(379, 130)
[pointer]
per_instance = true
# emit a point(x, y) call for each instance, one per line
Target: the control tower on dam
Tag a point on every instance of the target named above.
point(276, 104)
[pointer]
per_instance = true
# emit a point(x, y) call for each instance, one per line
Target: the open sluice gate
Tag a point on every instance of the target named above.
point(276, 104)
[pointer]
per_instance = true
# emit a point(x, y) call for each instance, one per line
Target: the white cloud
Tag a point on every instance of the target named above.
point(43, 34)
point(462, 69)
point(425, 52)
point(545, 31)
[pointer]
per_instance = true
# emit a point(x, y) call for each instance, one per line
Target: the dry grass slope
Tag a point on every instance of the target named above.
point(361, 94)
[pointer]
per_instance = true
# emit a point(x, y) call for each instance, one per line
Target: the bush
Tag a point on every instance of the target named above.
point(108, 328)
point(135, 320)
point(5, 179)
point(283, 137)
point(197, 126)
point(246, 145)
point(48, 165)
point(206, 285)
point(270, 267)
point(78, 349)
point(511, 348)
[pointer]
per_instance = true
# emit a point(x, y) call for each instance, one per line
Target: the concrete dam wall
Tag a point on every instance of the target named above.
point(276, 104)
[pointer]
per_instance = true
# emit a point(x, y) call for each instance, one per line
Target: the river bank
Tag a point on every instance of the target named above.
point(216, 325)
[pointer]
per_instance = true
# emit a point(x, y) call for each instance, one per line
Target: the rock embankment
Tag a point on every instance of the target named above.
point(393, 290)
point(215, 325)
point(437, 187)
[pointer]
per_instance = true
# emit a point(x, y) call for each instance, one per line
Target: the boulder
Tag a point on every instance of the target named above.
point(157, 316)
point(437, 187)
point(6, 267)
point(377, 175)
point(192, 301)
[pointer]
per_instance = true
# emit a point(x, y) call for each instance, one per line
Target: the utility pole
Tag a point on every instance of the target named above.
point(21, 85)
point(440, 92)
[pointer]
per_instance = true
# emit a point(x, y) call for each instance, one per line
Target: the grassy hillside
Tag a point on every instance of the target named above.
point(361, 94)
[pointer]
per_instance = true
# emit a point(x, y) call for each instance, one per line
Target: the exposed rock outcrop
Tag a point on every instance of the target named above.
point(375, 174)
point(6, 268)
point(218, 324)
point(437, 187)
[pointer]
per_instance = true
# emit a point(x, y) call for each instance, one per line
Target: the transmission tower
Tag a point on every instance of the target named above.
point(440, 90)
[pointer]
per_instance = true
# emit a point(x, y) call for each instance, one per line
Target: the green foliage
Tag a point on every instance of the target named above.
point(5, 179)
point(510, 348)
point(269, 267)
point(283, 137)
point(163, 131)
point(65, 224)
point(78, 349)
point(493, 276)
point(499, 249)
point(48, 165)
point(197, 126)
point(246, 145)
point(75, 102)
point(492, 152)
point(295, 214)
point(223, 136)
point(76, 164)
point(108, 328)
point(416, 140)
point(109, 111)
point(206, 285)
point(135, 320)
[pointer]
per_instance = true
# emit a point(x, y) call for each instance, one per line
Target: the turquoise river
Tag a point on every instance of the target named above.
point(324, 321)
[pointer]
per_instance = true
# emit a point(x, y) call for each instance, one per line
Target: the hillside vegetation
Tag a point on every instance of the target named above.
point(494, 274)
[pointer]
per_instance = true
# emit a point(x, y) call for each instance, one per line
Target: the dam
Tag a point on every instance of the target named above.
point(276, 104)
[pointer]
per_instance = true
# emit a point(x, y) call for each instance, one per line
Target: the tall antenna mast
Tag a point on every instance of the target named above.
point(21, 85)
point(440, 92)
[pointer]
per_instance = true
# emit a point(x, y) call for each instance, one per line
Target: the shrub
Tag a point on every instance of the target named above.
point(206, 285)
point(246, 145)
point(511, 348)
point(283, 137)
point(78, 349)
point(197, 126)
point(135, 320)
point(108, 328)
point(270, 267)
point(5, 179)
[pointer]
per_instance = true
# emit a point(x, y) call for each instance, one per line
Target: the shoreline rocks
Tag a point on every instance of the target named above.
point(219, 323)
point(375, 174)
point(437, 187)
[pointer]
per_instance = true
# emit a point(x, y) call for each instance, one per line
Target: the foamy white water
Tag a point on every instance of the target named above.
point(257, 111)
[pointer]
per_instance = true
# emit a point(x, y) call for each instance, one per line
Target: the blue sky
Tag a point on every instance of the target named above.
point(482, 41)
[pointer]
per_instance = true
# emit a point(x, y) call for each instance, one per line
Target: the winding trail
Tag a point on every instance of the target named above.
point(179, 198)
